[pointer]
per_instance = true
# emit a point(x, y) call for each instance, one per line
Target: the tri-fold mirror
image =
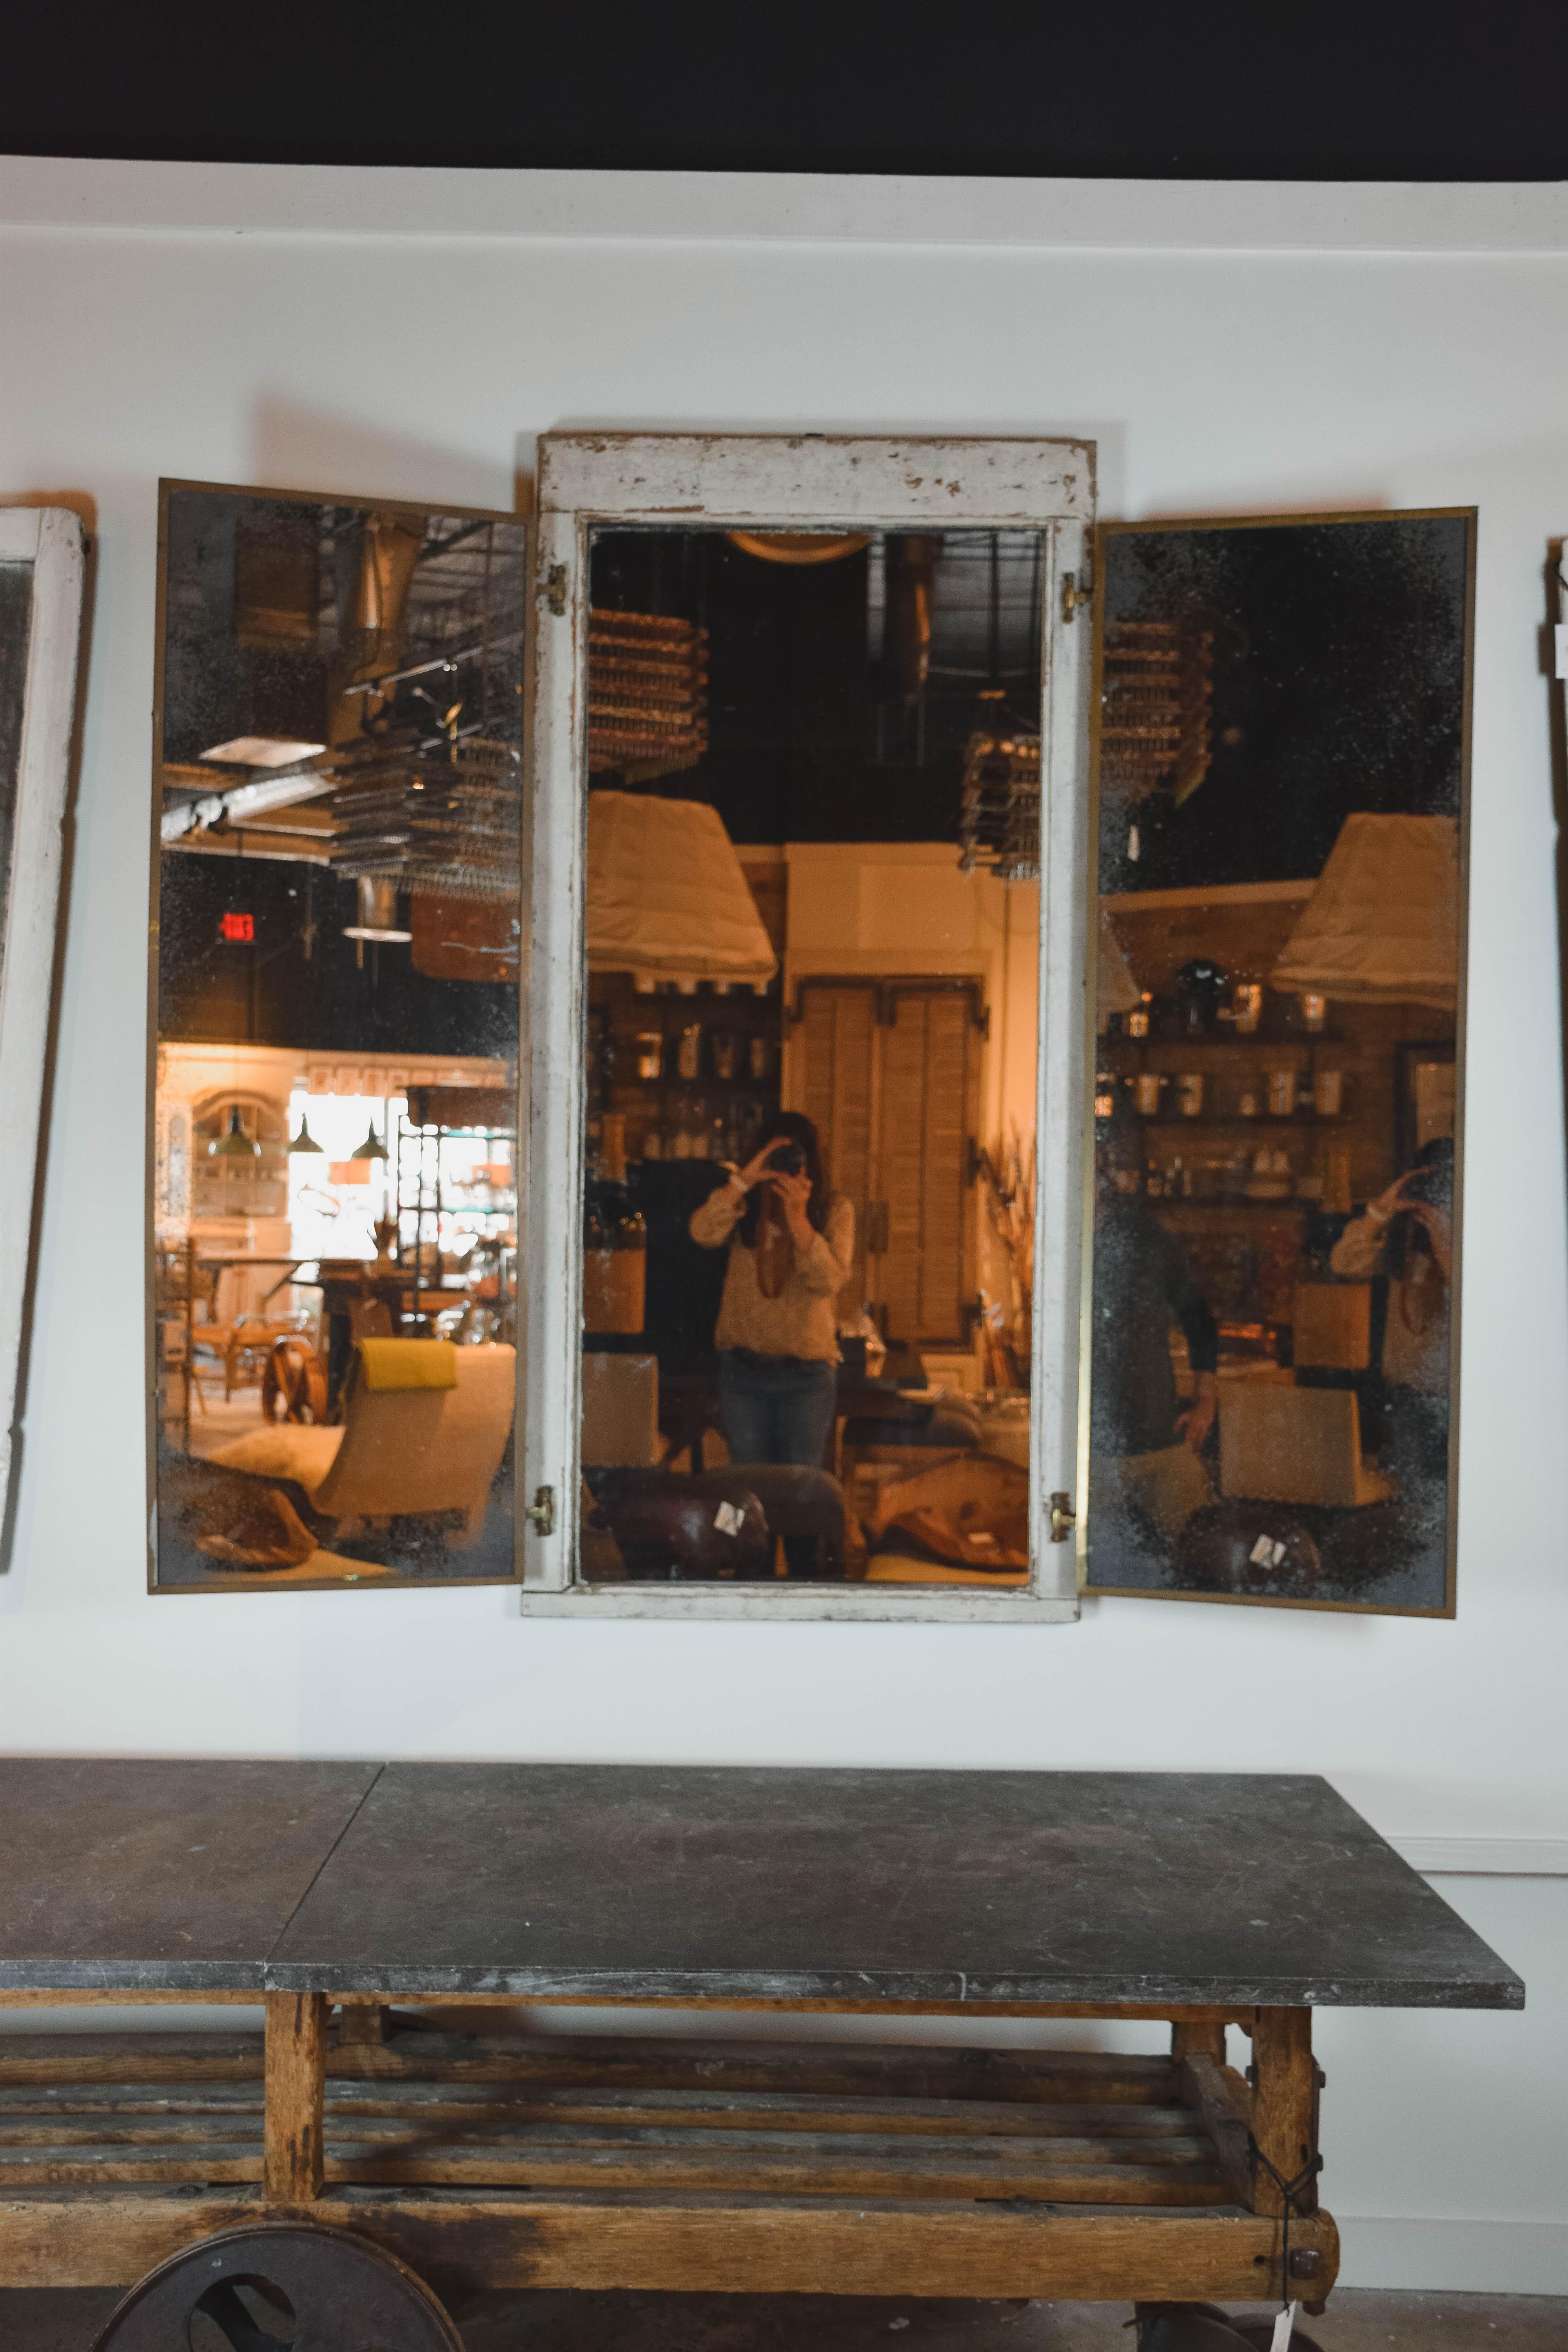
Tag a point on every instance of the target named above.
point(860, 1274)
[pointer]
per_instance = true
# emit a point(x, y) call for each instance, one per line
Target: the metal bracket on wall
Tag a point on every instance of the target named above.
point(553, 590)
point(541, 1513)
point(1064, 1518)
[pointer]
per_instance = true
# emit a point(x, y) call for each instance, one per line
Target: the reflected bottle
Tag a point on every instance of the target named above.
point(614, 1242)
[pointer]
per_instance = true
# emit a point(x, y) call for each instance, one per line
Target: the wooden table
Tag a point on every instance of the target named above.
point(331, 1890)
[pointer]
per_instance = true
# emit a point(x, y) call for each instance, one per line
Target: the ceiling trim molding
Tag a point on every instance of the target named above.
point(62, 193)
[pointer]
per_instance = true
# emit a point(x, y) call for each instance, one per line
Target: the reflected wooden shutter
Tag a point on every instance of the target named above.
point(837, 1042)
point(895, 1100)
point(925, 1119)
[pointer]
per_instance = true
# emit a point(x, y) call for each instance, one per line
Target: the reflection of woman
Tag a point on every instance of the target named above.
point(1143, 1442)
point(791, 1245)
point(1408, 1234)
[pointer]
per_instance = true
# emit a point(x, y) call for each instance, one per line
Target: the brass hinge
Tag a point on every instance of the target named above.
point(541, 1513)
point(554, 591)
point(1073, 596)
point(1064, 1518)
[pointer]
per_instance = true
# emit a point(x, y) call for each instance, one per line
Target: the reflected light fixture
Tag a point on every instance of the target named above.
point(304, 1140)
point(233, 1143)
point(377, 912)
point(263, 752)
point(372, 1148)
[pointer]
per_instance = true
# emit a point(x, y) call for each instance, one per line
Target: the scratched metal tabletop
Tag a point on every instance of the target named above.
point(661, 1883)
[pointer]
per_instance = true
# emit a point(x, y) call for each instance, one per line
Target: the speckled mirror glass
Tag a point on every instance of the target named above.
point(338, 781)
point(1283, 731)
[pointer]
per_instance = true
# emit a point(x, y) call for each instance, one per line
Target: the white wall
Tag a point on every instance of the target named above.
point(1329, 371)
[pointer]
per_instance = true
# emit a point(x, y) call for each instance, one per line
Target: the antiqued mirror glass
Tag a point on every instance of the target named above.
point(813, 977)
point(338, 785)
point(1282, 733)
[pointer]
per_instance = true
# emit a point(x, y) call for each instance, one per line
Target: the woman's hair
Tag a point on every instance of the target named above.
point(792, 1126)
point(1407, 1236)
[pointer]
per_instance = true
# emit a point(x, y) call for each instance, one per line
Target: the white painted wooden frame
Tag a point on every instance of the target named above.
point(48, 541)
point(795, 482)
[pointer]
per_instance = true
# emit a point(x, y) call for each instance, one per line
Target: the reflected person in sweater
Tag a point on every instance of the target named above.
point(791, 1246)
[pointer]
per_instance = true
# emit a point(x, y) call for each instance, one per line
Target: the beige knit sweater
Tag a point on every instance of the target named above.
point(803, 1320)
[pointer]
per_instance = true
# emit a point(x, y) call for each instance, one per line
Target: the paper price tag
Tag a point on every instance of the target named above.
point(728, 1519)
point(1283, 2325)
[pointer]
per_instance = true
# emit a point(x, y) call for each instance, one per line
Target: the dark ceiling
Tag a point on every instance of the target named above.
point(1375, 89)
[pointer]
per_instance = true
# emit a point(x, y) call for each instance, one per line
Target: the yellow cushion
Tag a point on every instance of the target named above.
point(408, 1364)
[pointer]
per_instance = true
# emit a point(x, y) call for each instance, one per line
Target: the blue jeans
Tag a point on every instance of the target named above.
point(779, 1409)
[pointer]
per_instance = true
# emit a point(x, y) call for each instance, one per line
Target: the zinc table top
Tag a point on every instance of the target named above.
point(649, 1882)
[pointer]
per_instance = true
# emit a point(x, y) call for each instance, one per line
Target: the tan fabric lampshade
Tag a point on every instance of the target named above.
point(1116, 990)
point(1383, 925)
point(666, 896)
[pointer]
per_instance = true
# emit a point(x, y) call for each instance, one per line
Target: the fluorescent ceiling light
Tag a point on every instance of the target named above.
point(263, 750)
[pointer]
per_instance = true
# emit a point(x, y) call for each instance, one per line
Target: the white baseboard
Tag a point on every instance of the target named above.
point(1454, 2257)
point(1492, 1857)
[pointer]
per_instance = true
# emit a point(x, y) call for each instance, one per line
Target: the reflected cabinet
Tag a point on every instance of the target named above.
point(804, 1035)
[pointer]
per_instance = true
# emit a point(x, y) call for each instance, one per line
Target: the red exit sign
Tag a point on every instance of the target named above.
point(237, 927)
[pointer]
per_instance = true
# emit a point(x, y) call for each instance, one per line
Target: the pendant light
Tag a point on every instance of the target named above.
point(233, 1143)
point(373, 1147)
point(304, 1140)
point(377, 912)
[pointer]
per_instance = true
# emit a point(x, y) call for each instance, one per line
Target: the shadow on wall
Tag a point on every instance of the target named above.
point(1556, 582)
point(314, 450)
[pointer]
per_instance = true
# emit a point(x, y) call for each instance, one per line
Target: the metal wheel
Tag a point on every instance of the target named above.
point(285, 2288)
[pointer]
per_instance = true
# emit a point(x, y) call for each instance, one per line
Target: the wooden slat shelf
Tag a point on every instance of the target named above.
point(499, 2160)
point(1110, 2142)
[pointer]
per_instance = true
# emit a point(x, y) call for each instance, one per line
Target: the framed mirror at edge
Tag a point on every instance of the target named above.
point(1270, 1362)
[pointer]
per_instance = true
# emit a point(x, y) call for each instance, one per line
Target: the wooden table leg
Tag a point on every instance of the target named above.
point(1284, 2105)
point(362, 2021)
point(1203, 2038)
point(295, 2075)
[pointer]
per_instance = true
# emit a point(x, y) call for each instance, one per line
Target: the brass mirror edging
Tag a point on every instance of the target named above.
point(1104, 533)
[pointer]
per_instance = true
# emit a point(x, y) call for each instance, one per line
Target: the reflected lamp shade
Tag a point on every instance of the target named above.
point(373, 1147)
point(1383, 925)
point(233, 1143)
point(1116, 991)
point(304, 1140)
point(667, 898)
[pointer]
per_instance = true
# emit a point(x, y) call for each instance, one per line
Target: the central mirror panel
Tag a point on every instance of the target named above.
point(338, 780)
point(813, 978)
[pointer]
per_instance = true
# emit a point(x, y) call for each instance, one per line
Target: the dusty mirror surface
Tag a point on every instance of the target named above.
point(338, 779)
point(813, 973)
point(1282, 764)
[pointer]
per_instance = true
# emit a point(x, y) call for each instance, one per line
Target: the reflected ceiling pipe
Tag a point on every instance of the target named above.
point(911, 560)
point(373, 636)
